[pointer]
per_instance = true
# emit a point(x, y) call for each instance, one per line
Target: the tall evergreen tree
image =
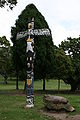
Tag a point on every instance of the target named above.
point(43, 44)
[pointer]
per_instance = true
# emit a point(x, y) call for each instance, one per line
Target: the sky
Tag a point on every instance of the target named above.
point(62, 16)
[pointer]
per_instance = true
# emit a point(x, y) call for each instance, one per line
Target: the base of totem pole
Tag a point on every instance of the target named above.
point(30, 101)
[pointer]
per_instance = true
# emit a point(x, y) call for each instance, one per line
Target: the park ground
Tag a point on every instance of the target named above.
point(12, 102)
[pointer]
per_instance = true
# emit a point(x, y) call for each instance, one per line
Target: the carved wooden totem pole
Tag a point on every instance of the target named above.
point(30, 57)
point(30, 65)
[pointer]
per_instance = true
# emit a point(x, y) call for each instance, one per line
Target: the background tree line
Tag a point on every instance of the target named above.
point(6, 63)
point(62, 62)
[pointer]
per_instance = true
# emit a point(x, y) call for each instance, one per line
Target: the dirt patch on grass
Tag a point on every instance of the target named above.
point(62, 115)
point(75, 117)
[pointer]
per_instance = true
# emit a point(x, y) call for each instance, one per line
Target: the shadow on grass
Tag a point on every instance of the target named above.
point(39, 92)
point(56, 92)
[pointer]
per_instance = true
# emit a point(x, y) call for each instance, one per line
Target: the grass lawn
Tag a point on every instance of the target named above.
point(12, 108)
point(38, 85)
point(12, 102)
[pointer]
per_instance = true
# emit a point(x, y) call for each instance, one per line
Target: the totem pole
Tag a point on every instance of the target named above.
point(30, 57)
point(30, 65)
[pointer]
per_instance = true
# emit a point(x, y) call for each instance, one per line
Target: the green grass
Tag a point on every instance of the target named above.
point(12, 102)
point(74, 100)
point(38, 85)
point(12, 108)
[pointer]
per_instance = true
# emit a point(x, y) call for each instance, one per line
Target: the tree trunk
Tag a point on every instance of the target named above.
point(73, 88)
point(5, 81)
point(5, 78)
point(17, 81)
point(43, 84)
point(25, 86)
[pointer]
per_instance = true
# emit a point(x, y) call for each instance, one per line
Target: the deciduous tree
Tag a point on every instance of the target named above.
point(5, 58)
point(9, 3)
point(72, 48)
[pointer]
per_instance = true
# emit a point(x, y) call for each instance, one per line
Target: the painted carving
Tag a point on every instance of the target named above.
point(30, 56)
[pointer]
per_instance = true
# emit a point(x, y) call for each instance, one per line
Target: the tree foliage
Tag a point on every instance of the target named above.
point(63, 65)
point(4, 42)
point(72, 49)
point(5, 57)
point(10, 3)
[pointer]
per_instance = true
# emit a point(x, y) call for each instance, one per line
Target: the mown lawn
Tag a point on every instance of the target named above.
point(12, 102)
point(38, 85)
point(12, 108)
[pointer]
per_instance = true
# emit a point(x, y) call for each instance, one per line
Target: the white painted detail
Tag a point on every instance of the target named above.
point(33, 32)
point(29, 47)
point(30, 106)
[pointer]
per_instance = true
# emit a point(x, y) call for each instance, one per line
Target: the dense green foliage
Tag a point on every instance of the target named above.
point(4, 54)
point(5, 58)
point(72, 49)
point(9, 3)
point(43, 44)
point(63, 66)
